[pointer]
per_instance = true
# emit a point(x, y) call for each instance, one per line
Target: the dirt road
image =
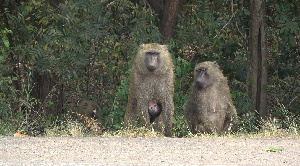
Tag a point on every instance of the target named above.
point(147, 151)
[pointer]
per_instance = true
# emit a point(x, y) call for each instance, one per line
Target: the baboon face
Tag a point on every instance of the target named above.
point(154, 110)
point(89, 108)
point(206, 74)
point(201, 77)
point(152, 60)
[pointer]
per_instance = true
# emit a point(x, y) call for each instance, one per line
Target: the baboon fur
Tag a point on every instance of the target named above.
point(88, 108)
point(210, 109)
point(86, 111)
point(146, 86)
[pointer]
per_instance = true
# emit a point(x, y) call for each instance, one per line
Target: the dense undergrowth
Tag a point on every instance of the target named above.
point(86, 48)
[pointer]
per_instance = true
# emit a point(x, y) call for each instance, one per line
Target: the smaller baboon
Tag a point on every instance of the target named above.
point(87, 112)
point(152, 79)
point(209, 108)
point(154, 110)
point(88, 108)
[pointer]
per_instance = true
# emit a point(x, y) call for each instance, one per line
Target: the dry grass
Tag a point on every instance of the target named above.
point(134, 132)
point(81, 126)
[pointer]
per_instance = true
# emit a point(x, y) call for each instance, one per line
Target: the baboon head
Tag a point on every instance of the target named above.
point(205, 74)
point(89, 108)
point(153, 58)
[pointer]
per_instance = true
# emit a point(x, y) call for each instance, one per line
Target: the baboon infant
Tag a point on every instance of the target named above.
point(152, 80)
point(209, 108)
point(154, 110)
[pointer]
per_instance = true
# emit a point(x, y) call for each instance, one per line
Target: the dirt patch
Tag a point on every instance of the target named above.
point(147, 151)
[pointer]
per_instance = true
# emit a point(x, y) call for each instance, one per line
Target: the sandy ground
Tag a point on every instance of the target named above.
point(147, 151)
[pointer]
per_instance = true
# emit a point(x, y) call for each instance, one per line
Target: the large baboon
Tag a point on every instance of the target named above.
point(152, 80)
point(209, 108)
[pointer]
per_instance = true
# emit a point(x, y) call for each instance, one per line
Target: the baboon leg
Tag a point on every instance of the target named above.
point(168, 117)
point(231, 118)
point(226, 124)
point(159, 124)
point(234, 121)
point(190, 117)
point(168, 127)
point(199, 129)
point(130, 117)
point(142, 111)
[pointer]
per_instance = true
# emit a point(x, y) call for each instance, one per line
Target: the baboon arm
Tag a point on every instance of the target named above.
point(190, 116)
point(130, 116)
point(234, 119)
point(168, 116)
point(226, 124)
point(231, 118)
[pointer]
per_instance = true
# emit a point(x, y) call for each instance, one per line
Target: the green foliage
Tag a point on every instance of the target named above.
point(90, 46)
point(286, 23)
point(283, 33)
point(240, 99)
point(285, 119)
point(287, 93)
point(9, 119)
point(248, 122)
point(182, 72)
point(284, 57)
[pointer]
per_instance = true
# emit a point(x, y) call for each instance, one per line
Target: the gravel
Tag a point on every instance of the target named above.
point(147, 151)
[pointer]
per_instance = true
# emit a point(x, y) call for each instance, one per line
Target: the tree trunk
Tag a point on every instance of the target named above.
point(257, 63)
point(167, 12)
point(168, 23)
point(48, 92)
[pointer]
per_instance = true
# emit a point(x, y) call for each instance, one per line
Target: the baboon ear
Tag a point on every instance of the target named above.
point(216, 64)
point(165, 46)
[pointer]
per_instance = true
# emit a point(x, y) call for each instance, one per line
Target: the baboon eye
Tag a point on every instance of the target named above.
point(201, 70)
point(152, 53)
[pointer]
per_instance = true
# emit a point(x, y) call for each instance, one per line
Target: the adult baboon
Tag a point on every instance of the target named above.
point(154, 110)
point(152, 79)
point(209, 108)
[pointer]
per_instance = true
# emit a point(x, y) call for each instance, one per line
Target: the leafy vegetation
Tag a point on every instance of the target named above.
point(86, 48)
